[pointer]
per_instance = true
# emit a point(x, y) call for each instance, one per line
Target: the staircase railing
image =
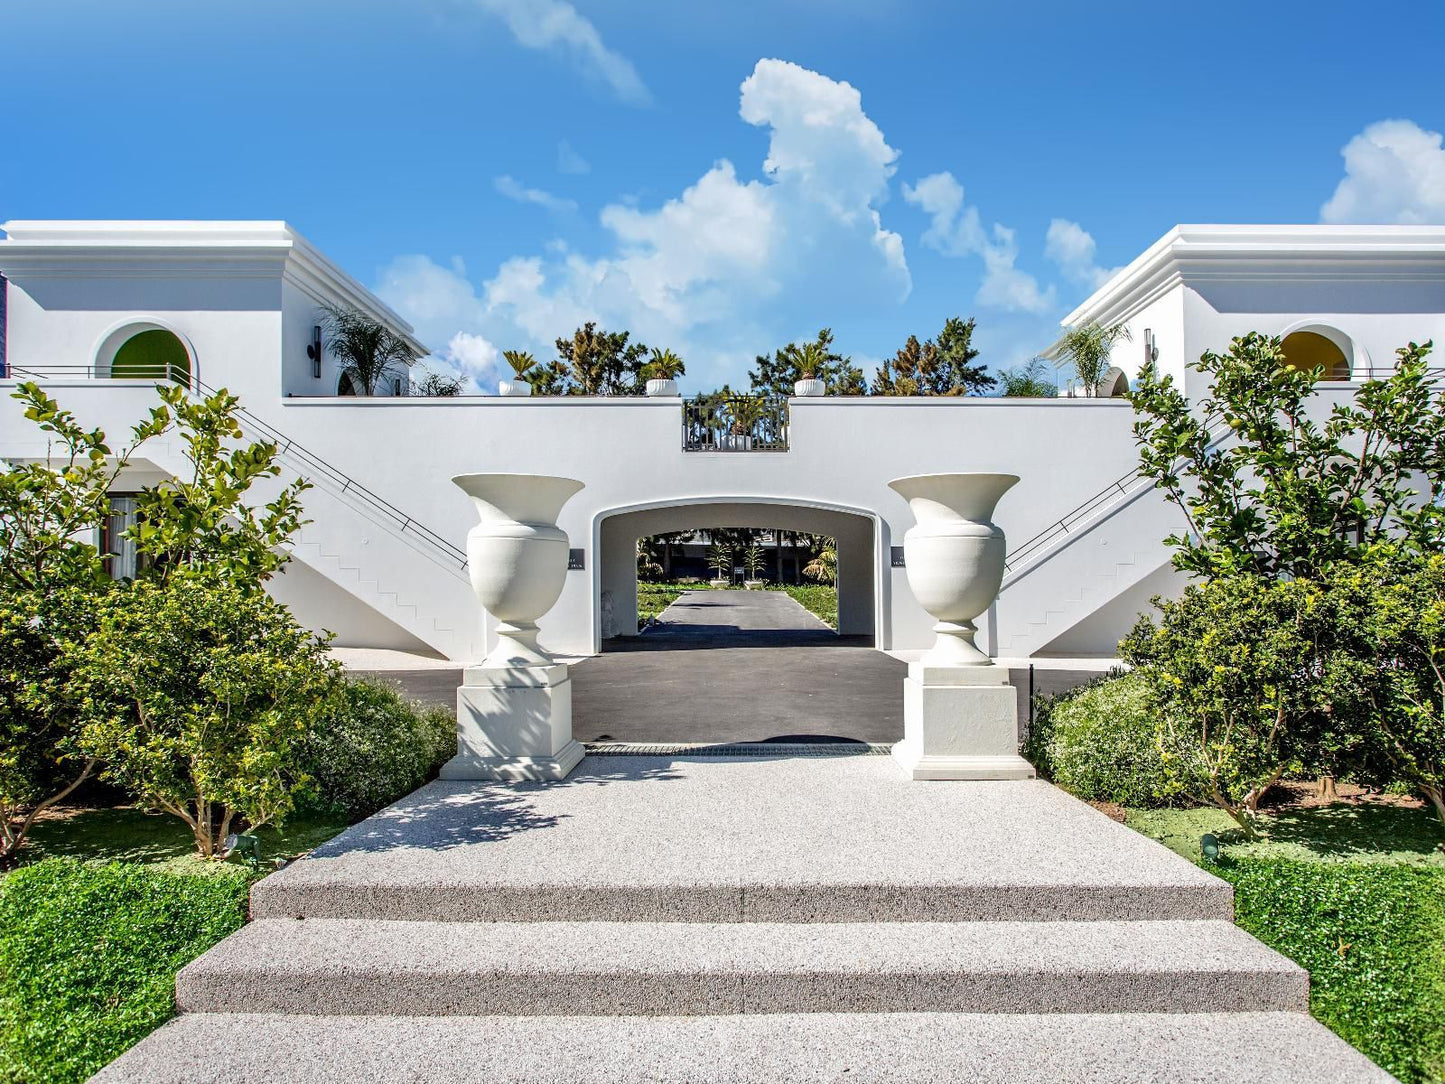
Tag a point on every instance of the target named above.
point(294, 452)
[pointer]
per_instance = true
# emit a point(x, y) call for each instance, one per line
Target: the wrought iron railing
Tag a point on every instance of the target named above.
point(177, 374)
point(735, 423)
point(308, 464)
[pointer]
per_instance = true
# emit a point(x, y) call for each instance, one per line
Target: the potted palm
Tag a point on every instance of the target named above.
point(744, 414)
point(720, 560)
point(522, 364)
point(753, 561)
point(808, 361)
point(662, 373)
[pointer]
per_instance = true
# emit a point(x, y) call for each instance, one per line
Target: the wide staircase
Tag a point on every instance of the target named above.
point(742, 918)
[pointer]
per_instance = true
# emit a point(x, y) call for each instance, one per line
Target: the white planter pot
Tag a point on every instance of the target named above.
point(810, 389)
point(514, 387)
point(718, 583)
point(753, 585)
point(954, 556)
point(659, 388)
point(517, 557)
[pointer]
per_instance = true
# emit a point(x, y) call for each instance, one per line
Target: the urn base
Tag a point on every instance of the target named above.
point(514, 724)
point(960, 722)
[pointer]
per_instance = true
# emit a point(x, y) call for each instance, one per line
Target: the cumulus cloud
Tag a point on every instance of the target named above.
point(955, 229)
point(1394, 173)
point(557, 25)
point(718, 271)
point(513, 189)
point(1071, 248)
point(569, 161)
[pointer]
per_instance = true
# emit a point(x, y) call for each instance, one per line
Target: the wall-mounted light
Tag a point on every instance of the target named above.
point(1151, 350)
point(313, 351)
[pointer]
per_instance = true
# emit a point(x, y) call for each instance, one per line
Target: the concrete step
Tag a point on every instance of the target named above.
point(897, 1048)
point(350, 967)
point(666, 839)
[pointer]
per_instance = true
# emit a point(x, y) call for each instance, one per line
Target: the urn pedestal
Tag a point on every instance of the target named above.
point(960, 714)
point(514, 709)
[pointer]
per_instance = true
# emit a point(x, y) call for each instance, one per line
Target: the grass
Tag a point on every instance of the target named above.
point(1354, 893)
point(89, 954)
point(821, 600)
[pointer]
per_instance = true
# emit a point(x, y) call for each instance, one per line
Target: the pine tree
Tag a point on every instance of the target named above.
point(594, 362)
point(941, 367)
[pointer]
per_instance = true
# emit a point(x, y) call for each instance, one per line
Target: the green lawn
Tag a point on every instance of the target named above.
point(108, 906)
point(1356, 895)
point(819, 599)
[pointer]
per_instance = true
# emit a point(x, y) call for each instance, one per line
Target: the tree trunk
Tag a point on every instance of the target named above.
point(1326, 789)
point(1437, 799)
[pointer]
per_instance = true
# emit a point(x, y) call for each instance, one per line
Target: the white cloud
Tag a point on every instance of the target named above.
point(513, 189)
point(1072, 249)
point(555, 24)
point(717, 272)
point(473, 358)
point(1394, 173)
point(955, 229)
point(569, 161)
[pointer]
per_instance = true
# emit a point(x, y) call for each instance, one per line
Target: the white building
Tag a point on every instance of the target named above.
point(96, 310)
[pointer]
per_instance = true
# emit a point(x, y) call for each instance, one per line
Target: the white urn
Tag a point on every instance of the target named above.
point(517, 557)
point(810, 388)
point(661, 388)
point(954, 556)
point(514, 387)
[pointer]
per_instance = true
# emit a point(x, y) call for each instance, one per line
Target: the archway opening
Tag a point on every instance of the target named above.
point(728, 637)
point(154, 354)
point(1305, 351)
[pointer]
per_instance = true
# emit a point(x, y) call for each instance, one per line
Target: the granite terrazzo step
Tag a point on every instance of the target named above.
point(351, 967)
point(896, 1048)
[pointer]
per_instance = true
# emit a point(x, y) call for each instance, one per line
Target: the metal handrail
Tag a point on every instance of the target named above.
point(735, 423)
point(288, 448)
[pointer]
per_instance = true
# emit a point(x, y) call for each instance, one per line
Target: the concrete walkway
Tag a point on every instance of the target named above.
point(745, 920)
point(738, 666)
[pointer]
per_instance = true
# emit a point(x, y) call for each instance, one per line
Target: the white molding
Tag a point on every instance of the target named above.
point(1266, 255)
point(174, 249)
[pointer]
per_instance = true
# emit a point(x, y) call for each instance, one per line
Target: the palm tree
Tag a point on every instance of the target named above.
point(521, 362)
point(368, 352)
point(665, 365)
point(823, 567)
point(808, 360)
point(720, 560)
point(753, 560)
point(1088, 348)
point(1029, 381)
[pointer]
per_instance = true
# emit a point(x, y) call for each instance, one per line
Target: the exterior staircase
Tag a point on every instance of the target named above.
point(741, 919)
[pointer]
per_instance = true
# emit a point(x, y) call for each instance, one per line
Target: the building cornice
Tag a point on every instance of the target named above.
point(1266, 255)
point(159, 249)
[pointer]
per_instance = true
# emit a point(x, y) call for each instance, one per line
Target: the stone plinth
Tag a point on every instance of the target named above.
point(960, 722)
point(514, 724)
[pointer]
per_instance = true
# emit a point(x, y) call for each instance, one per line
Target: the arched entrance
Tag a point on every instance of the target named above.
point(144, 350)
point(737, 665)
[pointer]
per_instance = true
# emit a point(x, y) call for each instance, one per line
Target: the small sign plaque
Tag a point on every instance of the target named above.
point(896, 552)
point(576, 560)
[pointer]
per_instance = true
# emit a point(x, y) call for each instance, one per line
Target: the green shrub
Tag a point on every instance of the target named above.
point(1372, 937)
point(1099, 742)
point(89, 955)
point(373, 747)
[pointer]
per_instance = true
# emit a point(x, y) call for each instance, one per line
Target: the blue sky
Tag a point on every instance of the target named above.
point(723, 178)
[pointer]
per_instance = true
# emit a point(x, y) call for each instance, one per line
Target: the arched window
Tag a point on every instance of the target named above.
point(344, 386)
point(155, 354)
point(1305, 350)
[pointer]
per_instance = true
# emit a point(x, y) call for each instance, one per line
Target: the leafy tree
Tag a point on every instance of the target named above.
point(200, 693)
point(204, 521)
point(776, 375)
point(369, 352)
point(648, 567)
point(1089, 348)
point(51, 573)
point(1031, 381)
point(941, 367)
point(824, 566)
point(1239, 670)
point(594, 362)
point(1287, 496)
point(437, 385)
point(720, 560)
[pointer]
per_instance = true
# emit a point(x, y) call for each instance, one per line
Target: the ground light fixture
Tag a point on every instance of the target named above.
point(1209, 846)
point(242, 846)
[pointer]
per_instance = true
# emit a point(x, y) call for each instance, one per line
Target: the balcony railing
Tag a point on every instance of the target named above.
point(735, 423)
point(178, 374)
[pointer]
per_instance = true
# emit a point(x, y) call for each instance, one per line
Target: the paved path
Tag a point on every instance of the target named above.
point(738, 666)
point(734, 666)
